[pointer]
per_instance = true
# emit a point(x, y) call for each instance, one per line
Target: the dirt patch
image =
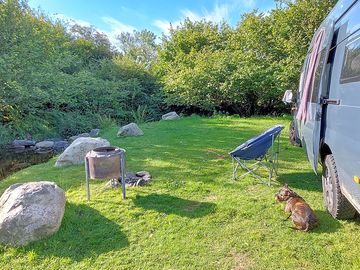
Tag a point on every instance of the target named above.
point(241, 261)
point(211, 198)
point(215, 153)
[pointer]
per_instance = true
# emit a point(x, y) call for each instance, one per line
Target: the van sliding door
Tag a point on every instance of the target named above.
point(314, 86)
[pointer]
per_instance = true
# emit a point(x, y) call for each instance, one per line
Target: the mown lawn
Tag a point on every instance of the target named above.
point(193, 215)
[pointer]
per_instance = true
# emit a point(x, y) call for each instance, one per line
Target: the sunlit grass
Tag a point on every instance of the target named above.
point(193, 215)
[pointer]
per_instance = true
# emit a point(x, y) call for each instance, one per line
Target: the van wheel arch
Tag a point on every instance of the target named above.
point(335, 202)
point(324, 151)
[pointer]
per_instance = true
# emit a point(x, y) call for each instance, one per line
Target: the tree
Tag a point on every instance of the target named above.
point(139, 46)
point(244, 70)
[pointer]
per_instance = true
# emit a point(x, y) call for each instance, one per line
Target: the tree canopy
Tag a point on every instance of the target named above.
point(242, 70)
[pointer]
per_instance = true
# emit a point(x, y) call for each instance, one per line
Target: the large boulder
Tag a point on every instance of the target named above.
point(131, 129)
point(73, 138)
point(170, 116)
point(30, 212)
point(77, 151)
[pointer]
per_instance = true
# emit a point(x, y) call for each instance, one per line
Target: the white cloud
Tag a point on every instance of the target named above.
point(218, 14)
point(248, 3)
point(116, 28)
point(164, 25)
point(70, 20)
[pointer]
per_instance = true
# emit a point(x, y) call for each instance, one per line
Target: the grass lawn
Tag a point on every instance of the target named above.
point(193, 215)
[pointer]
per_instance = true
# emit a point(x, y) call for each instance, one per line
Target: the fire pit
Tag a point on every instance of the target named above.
point(105, 163)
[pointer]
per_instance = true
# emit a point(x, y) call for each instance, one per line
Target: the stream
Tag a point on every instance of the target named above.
point(12, 160)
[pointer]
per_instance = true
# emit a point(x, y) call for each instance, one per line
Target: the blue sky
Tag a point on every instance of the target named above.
point(115, 16)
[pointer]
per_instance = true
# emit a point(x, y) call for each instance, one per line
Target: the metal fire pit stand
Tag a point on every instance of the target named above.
point(105, 163)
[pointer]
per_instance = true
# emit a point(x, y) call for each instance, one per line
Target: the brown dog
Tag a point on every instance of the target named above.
point(302, 215)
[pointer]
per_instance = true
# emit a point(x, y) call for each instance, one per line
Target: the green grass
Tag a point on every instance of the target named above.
point(193, 215)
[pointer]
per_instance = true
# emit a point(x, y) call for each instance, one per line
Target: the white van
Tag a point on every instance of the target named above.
point(327, 108)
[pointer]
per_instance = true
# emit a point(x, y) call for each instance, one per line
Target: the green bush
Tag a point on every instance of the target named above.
point(58, 82)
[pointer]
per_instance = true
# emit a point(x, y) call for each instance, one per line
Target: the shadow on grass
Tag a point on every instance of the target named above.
point(327, 224)
point(173, 205)
point(301, 180)
point(84, 232)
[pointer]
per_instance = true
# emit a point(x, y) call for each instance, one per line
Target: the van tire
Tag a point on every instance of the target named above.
point(293, 135)
point(335, 202)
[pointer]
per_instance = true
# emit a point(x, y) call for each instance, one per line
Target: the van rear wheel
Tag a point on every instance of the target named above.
point(336, 203)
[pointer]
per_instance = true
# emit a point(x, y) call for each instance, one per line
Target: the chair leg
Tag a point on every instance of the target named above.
point(270, 173)
point(233, 166)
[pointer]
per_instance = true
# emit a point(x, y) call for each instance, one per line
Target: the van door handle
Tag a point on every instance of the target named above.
point(325, 101)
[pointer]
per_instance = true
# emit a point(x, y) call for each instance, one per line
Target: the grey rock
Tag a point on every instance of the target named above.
point(43, 150)
point(60, 145)
point(140, 178)
point(30, 211)
point(94, 132)
point(143, 173)
point(25, 143)
point(77, 150)
point(140, 182)
point(45, 144)
point(18, 148)
point(82, 135)
point(131, 129)
point(170, 116)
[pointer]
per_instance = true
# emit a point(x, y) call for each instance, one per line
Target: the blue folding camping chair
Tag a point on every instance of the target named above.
point(262, 151)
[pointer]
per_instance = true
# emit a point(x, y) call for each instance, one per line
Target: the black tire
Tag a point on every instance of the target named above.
point(293, 135)
point(335, 202)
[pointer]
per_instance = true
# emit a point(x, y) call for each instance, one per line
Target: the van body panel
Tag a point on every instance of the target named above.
point(342, 127)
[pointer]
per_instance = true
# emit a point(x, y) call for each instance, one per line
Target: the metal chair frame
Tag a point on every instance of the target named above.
point(270, 161)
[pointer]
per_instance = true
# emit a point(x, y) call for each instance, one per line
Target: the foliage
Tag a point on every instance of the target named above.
point(58, 81)
point(245, 70)
point(192, 215)
point(140, 46)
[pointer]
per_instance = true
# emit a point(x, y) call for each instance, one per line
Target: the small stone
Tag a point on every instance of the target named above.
point(131, 129)
point(170, 116)
point(25, 143)
point(143, 173)
point(94, 132)
point(146, 178)
point(45, 144)
point(140, 182)
point(43, 150)
point(130, 175)
point(60, 145)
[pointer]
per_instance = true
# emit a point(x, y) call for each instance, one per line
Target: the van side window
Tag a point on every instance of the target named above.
point(351, 66)
point(317, 76)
